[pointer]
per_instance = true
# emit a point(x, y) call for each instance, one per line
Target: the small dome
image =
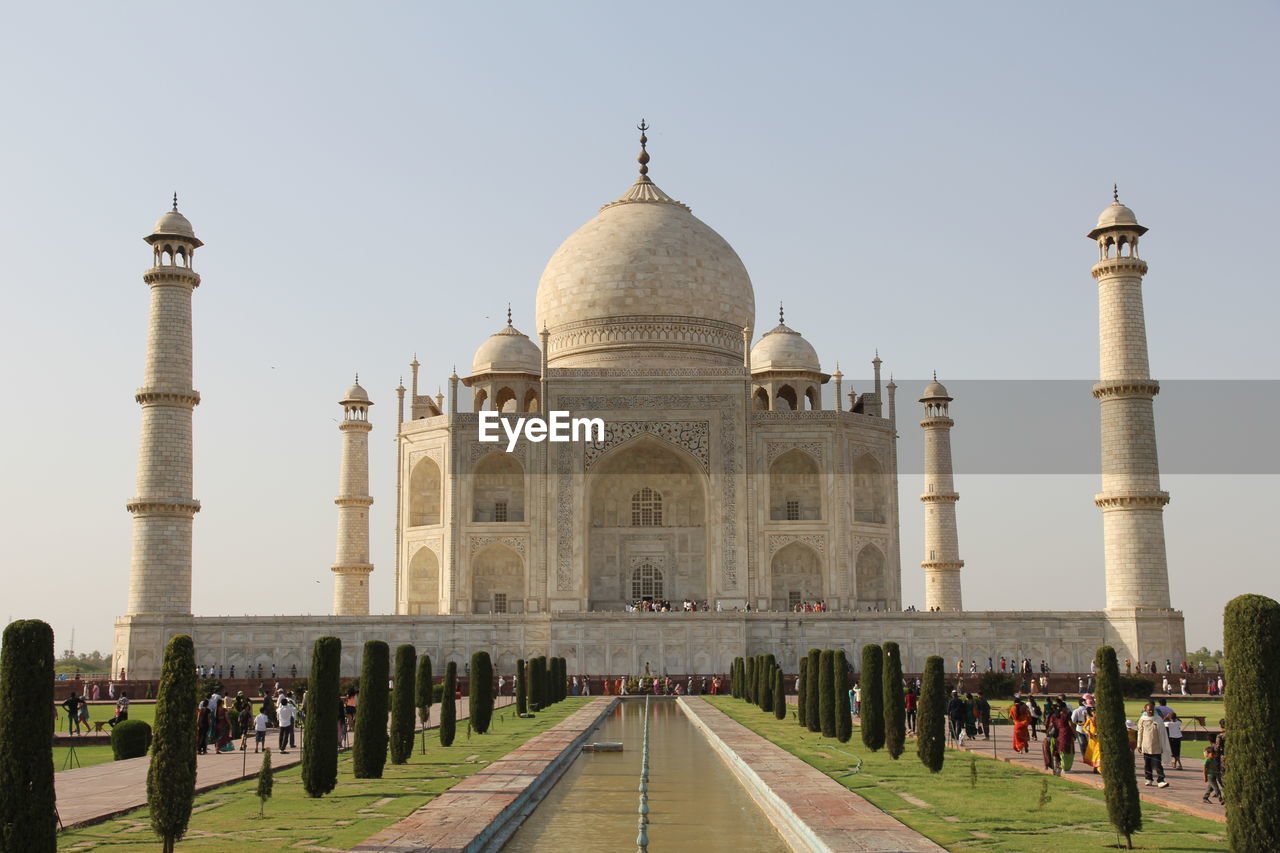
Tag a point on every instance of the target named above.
point(935, 390)
point(507, 351)
point(356, 394)
point(783, 348)
point(1116, 215)
point(174, 223)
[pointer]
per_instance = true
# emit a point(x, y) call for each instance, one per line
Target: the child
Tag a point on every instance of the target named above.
point(244, 719)
point(260, 731)
point(1211, 774)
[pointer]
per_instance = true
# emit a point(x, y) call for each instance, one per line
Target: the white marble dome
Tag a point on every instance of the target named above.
point(783, 348)
point(356, 394)
point(507, 351)
point(645, 280)
point(1116, 214)
point(173, 224)
point(935, 390)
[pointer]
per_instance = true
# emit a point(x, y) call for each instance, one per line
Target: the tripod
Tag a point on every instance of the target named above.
point(72, 760)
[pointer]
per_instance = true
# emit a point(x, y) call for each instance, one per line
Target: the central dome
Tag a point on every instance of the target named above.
point(645, 282)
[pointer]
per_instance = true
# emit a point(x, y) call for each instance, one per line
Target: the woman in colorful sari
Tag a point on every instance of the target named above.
point(1065, 737)
point(1021, 717)
point(1092, 751)
point(970, 717)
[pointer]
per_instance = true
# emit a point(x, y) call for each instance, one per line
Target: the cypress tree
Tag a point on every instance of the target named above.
point(548, 681)
point(171, 778)
point(320, 753)
point(735, 678)
point(779, 695)
point(768, 675)
point(1251, 628)
point(535, 684)
point(481, 692)
point(814, 717)
point(827, 693)
point(557, 682)
point(802, 693)
point(931, 715)
point(27, 800)
point(426, 695)
point(749, 682)
point(844, 714)
point(370, 753)
point(1119, 782)
point(402, 704)
point(895, 709)
point(265, 781)
point(872, 706)
point(522, 690)
point(448, 705)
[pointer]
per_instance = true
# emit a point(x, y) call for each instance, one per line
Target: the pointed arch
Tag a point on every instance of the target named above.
point(478, 398)
point(795, 576)
point(760, 400)
point(530, 401)
point(795, 488)
point(869, 490)
point(423, 583)
point(497, 488)
point(813, 398)
point(425, 493)
point(497, 580)
point(505, 400)
point(871, 582)
point(785, 399)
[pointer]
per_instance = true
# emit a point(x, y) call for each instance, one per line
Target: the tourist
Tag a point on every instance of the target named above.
point(857, 699)
point(1153, 741)
point(203, 722)
point(1182, 687)
point(1061, 731)
point(95, 690)
point(260, 724)
point(111, 690)
point(983, 709)
point(1212, 776)
point(1173, 726)
point(956, 712)
point(1078, 717)
point(1035, 717)
point(502, 683)
point(1220, 747)
point(285, 715)
point(1092, 754)
point(910, 700)
point(122, 710)
point(1021, 717)
point(222, 728)
point(72, 705)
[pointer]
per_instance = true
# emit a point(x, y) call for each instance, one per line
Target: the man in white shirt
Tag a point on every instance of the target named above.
point(260, 724)
point(285, 714)
point(1078, 716)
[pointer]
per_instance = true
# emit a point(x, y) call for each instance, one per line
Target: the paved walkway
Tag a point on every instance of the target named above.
point(93, 794)
point(1185, 786)
point(482, 805)
point(823, 809)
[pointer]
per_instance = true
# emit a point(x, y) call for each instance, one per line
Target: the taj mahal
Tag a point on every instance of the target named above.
point(732, 469)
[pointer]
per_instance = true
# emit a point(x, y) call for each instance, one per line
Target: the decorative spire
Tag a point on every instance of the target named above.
point(643, 158)
point(357, 377)
point(935, 376)
point(1115, 193)
point(877, 360)
point(508, 313)
point(781, 320)
point(175, 201)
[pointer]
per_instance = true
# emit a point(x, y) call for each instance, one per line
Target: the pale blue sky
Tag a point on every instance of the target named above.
point(378, 179)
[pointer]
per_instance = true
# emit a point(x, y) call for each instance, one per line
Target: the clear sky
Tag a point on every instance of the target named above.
point(375, 180)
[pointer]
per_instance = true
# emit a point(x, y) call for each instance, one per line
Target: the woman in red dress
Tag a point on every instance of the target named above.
point(1021, 717)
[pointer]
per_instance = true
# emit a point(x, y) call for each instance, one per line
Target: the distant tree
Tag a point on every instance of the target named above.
point(265, 781)
point(370, 753)
point(402, 704)
point(522, 689)
point(814, 717)
point(28, 819)
point(1120, 785)
point(449, 705)
point(840, 698)
point(537, 680)
point(320, 754)
point(802, 693)
point(827, 693)
point(931, 715)
point(750, 681)
point(779, 695)
point(1251, 627)
point(895, 709)
point(171, 777)
point(735, 678)
point(481, 705)
point(768, 674)
point(426, 693)
point(871, 712)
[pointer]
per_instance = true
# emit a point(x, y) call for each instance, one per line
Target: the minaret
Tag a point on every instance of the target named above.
point(942, 561)
point(1132, 502)
point(352, 567)
point(163, 508)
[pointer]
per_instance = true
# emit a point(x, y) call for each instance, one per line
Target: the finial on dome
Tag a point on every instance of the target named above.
point(357, 377)
point(935, 376)
point(1115, 193)
point(643, 159)
point(175, 201)
point(508, 313)
point(781, 321)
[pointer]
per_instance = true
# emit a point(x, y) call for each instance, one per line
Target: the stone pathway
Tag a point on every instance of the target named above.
point(1185, 786)
point(463, 817)
point(835, 817)
point(93, 794)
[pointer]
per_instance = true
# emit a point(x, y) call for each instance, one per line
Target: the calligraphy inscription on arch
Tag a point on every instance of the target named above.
point(693, 436)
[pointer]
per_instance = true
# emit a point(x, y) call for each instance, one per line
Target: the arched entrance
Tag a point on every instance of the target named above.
point(796, 575)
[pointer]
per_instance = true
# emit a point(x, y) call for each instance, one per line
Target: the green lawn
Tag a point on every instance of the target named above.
point(87, 755)
point(1001, 813)
point(227, 818)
